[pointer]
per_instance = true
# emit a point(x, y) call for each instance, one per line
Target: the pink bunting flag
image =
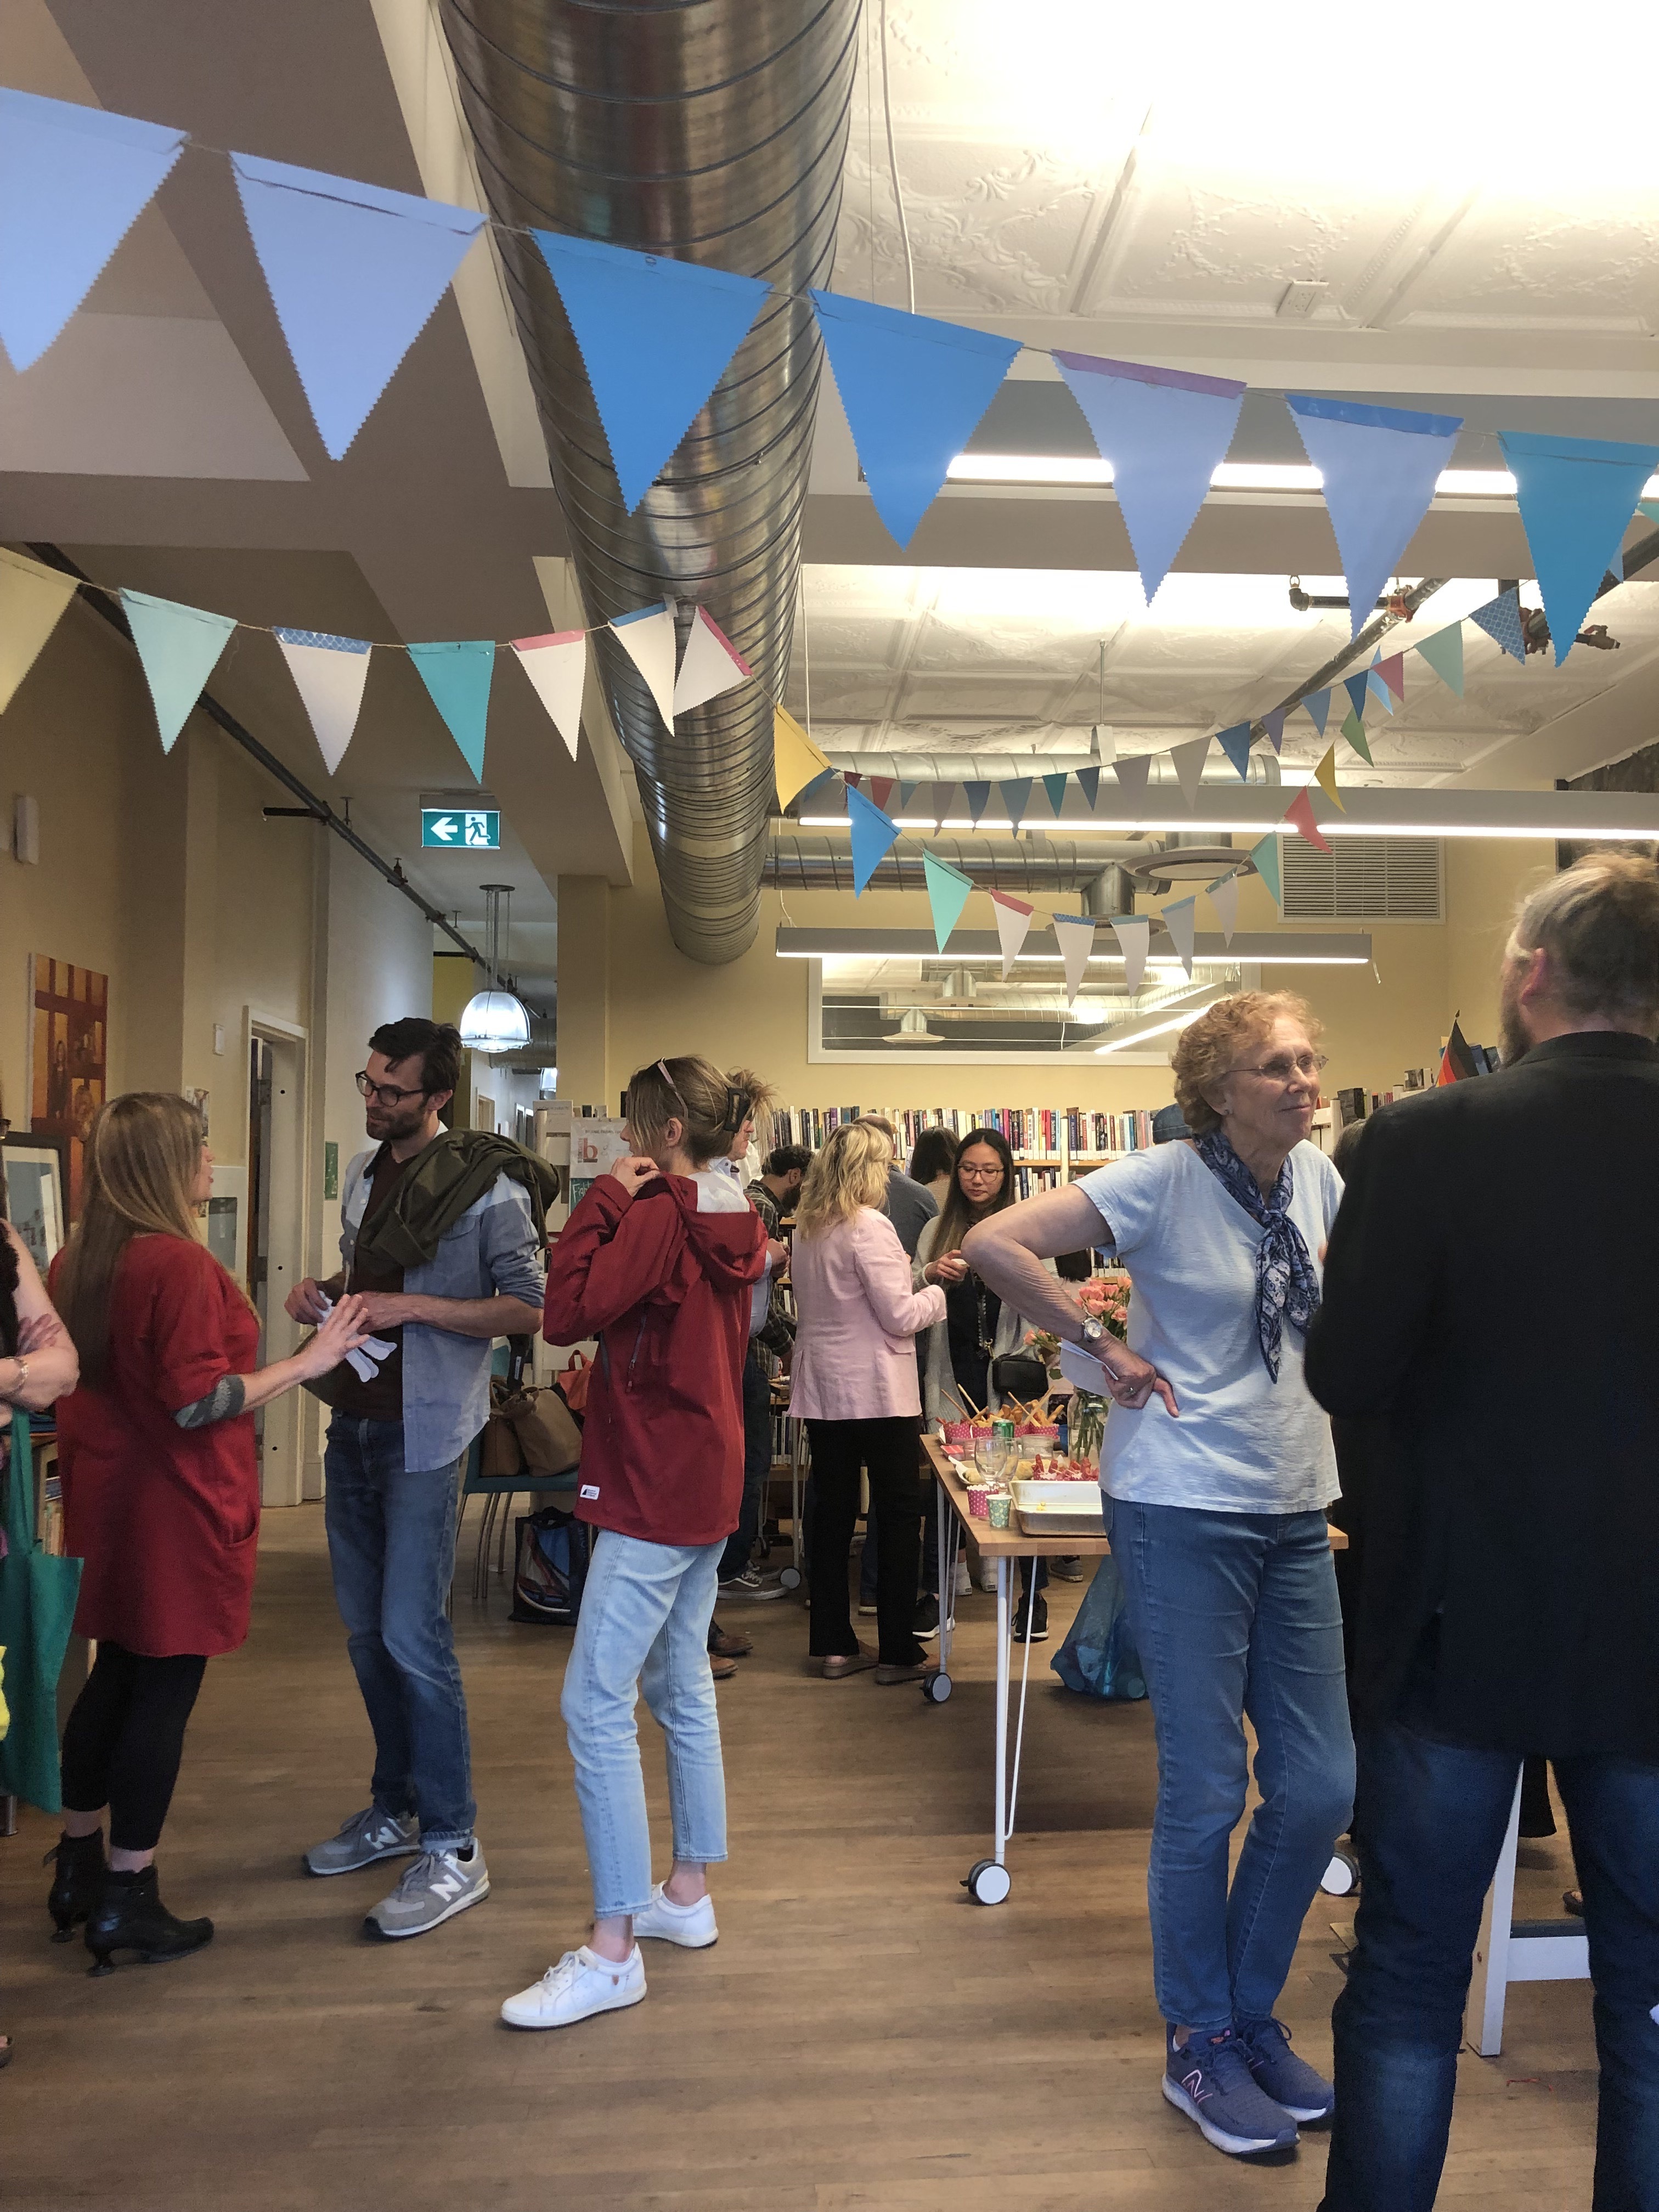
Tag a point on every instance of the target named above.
point(710, 665)
point(556, 663)
point(1393, 673)
point(881, 790)
point(1013, 921)
point(1300, 815)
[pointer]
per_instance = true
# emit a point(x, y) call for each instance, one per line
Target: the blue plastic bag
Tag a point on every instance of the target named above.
point(1098, 1659)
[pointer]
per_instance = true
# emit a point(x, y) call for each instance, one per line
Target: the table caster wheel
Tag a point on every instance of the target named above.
point(987, 1883)
point(936, 1687)
point(789, 1578)
point(1341, 1877)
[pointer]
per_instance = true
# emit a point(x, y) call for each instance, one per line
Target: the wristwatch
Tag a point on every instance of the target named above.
point(1094, 1333)
point(21, 1383)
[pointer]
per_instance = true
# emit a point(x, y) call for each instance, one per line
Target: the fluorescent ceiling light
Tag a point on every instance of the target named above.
point(1150, 1029)
point(1256, 809)
point(1230, 475)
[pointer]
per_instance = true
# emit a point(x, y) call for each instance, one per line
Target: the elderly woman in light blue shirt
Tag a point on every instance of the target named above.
point(1218, 1466)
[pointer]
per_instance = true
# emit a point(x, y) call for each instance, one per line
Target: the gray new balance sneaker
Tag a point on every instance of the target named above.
point(366, 1837)
point(434, 1889)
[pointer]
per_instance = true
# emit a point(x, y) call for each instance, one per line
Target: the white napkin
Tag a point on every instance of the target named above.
point(365, 1361)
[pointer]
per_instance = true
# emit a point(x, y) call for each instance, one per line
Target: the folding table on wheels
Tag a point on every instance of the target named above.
point(988, 1879)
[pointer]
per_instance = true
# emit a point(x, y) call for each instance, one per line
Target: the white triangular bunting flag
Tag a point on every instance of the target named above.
point(1135, 934)
point(1074, 934)
point(1224, 897)
point(1180, 919)
point(557, 665)
point(329, 673)
point(648, 638)
point(711, 664)
point(1013, 920)
point(1190, 760)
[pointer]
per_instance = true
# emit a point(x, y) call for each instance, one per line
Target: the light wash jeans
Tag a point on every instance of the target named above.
point(391, 1547)
point(644, 1626)
point(1235, 1615)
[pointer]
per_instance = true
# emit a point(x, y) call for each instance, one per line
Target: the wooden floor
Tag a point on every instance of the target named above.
point(863, 2035)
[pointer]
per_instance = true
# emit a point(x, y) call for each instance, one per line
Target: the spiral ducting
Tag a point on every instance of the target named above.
point(714, 131)
point(1016, 864)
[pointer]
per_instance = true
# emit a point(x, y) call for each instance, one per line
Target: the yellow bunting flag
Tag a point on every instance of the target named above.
point(32, 597)
point(1325, 777)
point(797, 761)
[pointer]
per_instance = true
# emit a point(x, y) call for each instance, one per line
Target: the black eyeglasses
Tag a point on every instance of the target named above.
point(387, 1094)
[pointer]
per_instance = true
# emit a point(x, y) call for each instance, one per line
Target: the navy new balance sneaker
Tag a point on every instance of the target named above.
point(1209, 2079)
point(1288, 2079)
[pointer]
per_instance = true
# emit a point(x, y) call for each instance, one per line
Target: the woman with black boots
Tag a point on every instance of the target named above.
point(160, 1501)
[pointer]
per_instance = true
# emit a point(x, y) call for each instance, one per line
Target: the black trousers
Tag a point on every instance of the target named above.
point(887, 1448)
point(124, 1740)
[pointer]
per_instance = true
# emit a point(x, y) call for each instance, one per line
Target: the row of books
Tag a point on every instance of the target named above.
point(1040, 1133)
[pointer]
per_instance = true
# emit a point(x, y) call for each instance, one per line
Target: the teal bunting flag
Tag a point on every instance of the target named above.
point(179, 647)
point(1444, 653)
point(1576, 496)
point(1265, 854)
point(1016, 792)
point(947, 895)
point(978, 796)
point(873, 837)
point(1056, 787)
point(1318, 704)
point(457, 674)
point(1088, 782)
point(907, 793)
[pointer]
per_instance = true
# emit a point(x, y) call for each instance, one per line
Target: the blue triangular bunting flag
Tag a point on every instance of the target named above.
point(1056, 787)
point(907, 791)
point(873, 837)
point(1575, 496)
point(656, 337)
point(1088, 782)
point(178, 647)
point(914, 390)
point(1501, 620)
point(1318, 704)
point(355, 274)
point(1235, 744)
point(1273, 723)
point(1358, 690)
point(457, 674)
point(978, 796)
point(73, 181)
point(947, 895)
point(1380, 466)
point(1377, 686)
point(1016, 791)
point(1163, 431)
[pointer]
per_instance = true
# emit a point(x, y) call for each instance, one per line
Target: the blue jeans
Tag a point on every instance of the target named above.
point(1235, 1615)
point(644, 1626)
point(391, 1547)
point(1429, 1825)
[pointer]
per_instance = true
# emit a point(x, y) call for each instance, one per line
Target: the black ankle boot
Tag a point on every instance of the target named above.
point(78, 1882)
point(130, 1916)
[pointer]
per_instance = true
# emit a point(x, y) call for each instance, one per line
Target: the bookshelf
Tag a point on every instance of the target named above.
point(1049, 1144)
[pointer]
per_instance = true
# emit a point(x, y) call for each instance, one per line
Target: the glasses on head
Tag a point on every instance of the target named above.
point(384, 1094)
point(1287, 1067)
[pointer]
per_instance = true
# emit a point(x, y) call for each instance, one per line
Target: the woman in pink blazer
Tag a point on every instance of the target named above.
point(855, 1385)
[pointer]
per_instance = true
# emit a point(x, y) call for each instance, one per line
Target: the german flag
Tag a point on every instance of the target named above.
point(1457, 1061)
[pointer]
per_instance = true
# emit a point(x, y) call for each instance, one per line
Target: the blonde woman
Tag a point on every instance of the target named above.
point(161, 1500)
point(854, 1384)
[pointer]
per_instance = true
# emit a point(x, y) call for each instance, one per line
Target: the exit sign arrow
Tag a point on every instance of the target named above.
point(445, 828)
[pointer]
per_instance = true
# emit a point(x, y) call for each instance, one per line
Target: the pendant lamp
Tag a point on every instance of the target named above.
point(494, 1020)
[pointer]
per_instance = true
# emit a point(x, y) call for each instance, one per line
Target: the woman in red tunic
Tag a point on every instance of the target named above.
point(161, 1500)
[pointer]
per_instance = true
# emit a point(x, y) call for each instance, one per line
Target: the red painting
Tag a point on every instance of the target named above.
point(71, 1059)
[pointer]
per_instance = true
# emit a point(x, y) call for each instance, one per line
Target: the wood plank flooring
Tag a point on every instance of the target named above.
point(862, 2037)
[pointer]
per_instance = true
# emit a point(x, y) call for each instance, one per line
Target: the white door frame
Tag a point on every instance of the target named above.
point(290, 1422)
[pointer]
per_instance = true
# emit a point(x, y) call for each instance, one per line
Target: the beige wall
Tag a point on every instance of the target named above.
point(626, 996)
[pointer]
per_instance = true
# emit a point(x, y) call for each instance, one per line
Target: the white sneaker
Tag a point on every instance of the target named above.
point(987, 1574)
point(581, 1985)
point(964, 1580)
point(691, 1926)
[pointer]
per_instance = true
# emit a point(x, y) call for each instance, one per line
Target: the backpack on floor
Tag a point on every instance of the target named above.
point(549, 1567)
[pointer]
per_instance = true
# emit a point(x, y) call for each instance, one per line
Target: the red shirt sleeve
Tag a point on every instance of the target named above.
point(189, 1340)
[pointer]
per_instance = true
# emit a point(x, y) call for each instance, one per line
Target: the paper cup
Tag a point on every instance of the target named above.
point(998, 1510)
point(978, 1499)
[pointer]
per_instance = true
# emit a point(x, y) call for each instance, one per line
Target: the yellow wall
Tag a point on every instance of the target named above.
point(626, 994)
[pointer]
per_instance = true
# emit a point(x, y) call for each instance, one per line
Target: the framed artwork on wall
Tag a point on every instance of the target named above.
point(69, 1060)
point(35, 1176)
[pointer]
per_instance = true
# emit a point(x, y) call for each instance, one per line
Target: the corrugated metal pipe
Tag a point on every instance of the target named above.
point(815, 863)
point(709, 130)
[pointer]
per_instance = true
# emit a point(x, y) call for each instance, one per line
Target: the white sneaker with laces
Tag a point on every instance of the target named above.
point(691, 1926)
point(581, 1985)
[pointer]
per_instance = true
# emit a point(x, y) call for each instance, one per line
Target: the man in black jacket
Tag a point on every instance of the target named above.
point(1489, 1301)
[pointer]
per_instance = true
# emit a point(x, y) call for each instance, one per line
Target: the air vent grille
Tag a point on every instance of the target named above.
point(1362, 880)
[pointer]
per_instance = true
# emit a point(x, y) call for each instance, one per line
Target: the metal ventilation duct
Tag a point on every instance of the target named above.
point(1002, 864)
point(710, 131)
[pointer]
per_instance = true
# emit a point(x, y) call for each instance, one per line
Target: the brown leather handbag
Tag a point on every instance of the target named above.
point(529, 1432)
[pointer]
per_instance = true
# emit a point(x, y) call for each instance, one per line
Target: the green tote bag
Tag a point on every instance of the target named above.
point(36, 1611)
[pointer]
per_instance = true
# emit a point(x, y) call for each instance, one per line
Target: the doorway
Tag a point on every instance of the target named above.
point(277, 1242)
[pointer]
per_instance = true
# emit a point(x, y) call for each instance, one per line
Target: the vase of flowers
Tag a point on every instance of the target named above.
point(1104, 1298)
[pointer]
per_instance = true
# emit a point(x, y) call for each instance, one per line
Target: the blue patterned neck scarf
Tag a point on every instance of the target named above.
point(1286, 1288)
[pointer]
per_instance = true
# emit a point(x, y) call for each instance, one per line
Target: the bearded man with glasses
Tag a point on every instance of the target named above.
point(443, 1235)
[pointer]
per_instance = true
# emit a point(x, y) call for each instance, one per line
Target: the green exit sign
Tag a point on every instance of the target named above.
point(461, 829)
